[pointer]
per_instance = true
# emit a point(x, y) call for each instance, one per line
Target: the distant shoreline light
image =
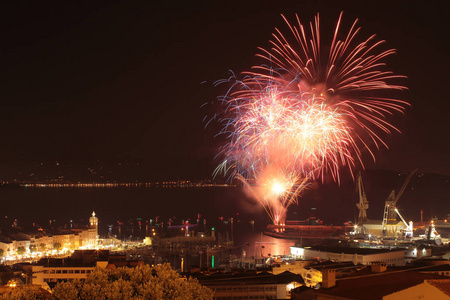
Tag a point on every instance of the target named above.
point(168, 184)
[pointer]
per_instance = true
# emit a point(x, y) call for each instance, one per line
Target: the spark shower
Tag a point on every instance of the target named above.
point(305, 112)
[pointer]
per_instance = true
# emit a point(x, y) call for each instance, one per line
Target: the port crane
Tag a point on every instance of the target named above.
point(363, 204)
point(409, 232)
point(390, 210)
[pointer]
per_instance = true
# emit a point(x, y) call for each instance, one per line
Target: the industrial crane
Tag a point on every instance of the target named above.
point(409, 232)
point(363, 204)
point(390, 211)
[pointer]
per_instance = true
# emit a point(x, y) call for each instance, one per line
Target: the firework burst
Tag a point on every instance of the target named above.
point(351, 77)
point(299, 118)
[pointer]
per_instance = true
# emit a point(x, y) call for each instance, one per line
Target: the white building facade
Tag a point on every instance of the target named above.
point(365, 257)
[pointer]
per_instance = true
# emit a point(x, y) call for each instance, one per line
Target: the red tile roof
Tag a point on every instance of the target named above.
point(443, 285)
point(375, 286)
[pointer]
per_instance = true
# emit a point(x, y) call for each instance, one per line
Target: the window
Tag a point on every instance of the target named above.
point(70, 272)
point(77, 271)
point(58, 271)
point(83, 271)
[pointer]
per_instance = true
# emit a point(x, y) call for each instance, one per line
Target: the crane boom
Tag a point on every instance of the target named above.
point(401, 217)
point(405, 184)
point(390, 214)
point(409, 227)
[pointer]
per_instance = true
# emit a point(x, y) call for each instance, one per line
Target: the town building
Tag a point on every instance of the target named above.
point(84, 237)
point(296, 267)
point(365, 256)
point(314, 274)
point(370, 284)
point(48, 272)
point(443, 270)
point(412, 253)
point(6, 247)
point(93, 220)
point(250, 285)
point(434, 289)
point(57, 270)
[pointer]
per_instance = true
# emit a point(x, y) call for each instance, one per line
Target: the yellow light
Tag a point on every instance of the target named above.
point(289, 286)
point(12, 283)
point(277, 188)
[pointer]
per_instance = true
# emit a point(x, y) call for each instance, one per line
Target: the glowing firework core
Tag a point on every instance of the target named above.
point(277, 188)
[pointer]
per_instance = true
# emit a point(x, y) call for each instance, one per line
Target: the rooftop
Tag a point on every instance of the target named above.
point(248, 278)
point(377, 285)
point(444, 267)
point(442, 285)
point(63, 262)
point(333, 265)
point(351, 250)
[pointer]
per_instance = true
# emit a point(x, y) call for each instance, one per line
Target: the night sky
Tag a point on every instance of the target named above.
point(83, 81)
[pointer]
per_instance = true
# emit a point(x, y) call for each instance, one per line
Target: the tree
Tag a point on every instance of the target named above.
point(57, 246)
point(1, 252)
point(33, 248)
point(42, 247)
point(20, 250)
point(143, 282)
point(26, 293)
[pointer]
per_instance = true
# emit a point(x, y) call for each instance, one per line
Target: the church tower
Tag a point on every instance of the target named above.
point(93, 221)
point(93, 230)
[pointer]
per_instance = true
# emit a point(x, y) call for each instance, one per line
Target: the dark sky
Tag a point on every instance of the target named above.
point(85, 81)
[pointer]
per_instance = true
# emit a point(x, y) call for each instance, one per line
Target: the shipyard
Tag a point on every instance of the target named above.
point(390, 231)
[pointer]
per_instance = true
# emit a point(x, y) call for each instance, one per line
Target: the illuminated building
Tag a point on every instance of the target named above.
point(363, 256)
point(251, 286)
point(51, 240)
point(93, 220)
point(48, 272)
point(366, 284)
point(315, 274)
point(93, 234)
point(296, 267)
point(8, 247)
point(57, 272)
point(88, 236)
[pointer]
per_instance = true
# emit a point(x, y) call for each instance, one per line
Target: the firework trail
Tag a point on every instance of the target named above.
point(277, 141)
point(297, 118)
point(350, 77)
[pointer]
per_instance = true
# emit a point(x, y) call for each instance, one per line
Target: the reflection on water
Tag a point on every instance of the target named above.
point(61, 205)
point(259, 245)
